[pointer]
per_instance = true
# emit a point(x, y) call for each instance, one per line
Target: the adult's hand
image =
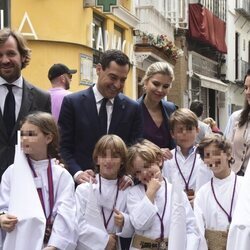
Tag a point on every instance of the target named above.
point(125, 182)
point(85, 176)
point(167, 155)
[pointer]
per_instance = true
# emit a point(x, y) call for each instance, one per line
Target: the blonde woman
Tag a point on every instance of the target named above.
point(157, 82)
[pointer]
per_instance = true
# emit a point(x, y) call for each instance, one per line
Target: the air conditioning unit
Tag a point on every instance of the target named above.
point(89, 3)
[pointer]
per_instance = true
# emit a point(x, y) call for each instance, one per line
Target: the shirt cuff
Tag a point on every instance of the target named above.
point(76, 174)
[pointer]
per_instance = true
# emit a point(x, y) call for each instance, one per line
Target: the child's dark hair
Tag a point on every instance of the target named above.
point(117, 148)
point(220, 142)
point(46, 123)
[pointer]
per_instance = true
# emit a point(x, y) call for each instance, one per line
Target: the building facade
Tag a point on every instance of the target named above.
point(71, 32)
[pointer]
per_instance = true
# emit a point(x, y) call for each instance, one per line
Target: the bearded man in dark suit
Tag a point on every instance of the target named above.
point(18, 97)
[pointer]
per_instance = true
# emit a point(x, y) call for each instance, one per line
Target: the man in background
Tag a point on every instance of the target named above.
point(60, 77)
point(204, 129)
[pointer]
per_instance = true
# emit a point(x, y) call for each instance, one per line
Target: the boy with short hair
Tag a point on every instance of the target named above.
point(215, 201)
point(186, 164)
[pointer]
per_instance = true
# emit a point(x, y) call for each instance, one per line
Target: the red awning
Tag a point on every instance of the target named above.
point(206, 27)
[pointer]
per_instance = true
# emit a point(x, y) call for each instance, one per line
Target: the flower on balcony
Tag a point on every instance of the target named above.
point(162, 42)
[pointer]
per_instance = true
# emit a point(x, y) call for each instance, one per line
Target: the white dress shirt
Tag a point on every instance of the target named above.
point(109, 105)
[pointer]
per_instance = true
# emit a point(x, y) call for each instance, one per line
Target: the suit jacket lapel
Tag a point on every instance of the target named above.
point(89, 106)
point(27, 99)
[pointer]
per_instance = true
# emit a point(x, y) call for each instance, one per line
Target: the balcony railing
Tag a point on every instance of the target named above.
point(152, 21)
point(217, 7)
point(243, 7)
point(175, 11)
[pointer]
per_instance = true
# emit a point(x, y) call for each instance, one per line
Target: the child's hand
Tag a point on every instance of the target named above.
point(111, 243)
point(8, 222)
point(119, 218)
point(153, 186)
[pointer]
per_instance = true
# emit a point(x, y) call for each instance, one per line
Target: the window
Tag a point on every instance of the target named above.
point(118, 37)
point(98, 33)
point(4, 13)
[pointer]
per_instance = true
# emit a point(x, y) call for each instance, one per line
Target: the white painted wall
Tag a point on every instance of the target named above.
point(235, 23)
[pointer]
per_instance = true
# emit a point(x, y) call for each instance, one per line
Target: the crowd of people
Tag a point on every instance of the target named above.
point(97, 170)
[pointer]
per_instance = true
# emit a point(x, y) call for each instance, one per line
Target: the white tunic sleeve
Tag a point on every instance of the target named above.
point(90, 237)
point(63, 234)
point(5, 190)
point(136, 204)
point(193, 235)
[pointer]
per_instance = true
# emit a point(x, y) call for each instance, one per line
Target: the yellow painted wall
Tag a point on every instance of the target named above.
point(62, 28)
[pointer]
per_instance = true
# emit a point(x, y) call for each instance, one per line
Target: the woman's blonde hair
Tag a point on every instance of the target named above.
point(158, 68)
point(115, 145)
point(145, 149)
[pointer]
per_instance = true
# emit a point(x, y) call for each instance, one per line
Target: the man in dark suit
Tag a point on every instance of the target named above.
point(18, 97)
point(80, 124)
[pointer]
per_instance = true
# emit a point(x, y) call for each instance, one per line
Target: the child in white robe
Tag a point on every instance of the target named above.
point(112, 221)
point(53, 190)
point(215, 202)
point(186, 163)
point(239, 231)
point(149, 202)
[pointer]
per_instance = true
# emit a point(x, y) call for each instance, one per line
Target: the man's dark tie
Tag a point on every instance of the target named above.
point(103, 117)
point(9, 116)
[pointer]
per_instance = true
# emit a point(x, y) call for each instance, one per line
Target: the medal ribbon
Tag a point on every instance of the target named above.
point(229, 216)
point(39, 190)
point(164, 210)
point(106, 222)
point(192, 169)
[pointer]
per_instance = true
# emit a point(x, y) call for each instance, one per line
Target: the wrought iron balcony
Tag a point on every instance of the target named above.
point(217, 7)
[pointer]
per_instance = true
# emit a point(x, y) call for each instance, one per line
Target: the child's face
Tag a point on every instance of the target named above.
point(145, 171)
point(34, 142)
point(216, 159)
point(109, 164)
point(184, 135)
